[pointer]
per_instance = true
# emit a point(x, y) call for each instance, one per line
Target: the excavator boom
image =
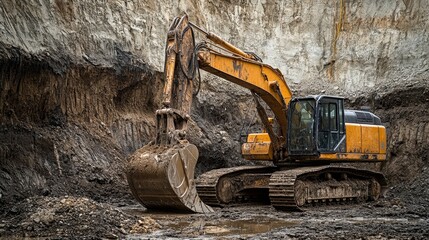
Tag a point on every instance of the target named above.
point(265, 81)
point(161, 174)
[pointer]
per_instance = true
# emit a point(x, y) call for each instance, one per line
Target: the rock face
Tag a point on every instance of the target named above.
point(80, 80)
point(352, 44)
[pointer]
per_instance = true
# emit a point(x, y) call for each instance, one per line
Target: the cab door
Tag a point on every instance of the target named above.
point(331, 128)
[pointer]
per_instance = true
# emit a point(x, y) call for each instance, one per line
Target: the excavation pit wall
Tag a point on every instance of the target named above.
point(69, 131)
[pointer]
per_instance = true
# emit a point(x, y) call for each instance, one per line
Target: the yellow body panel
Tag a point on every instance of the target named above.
point(353, 138)
point(365, 139)
point(382, 139)
point(364, 142)
point(370, 139)
point(257, 147)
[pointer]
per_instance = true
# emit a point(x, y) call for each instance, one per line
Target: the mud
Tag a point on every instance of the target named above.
point(71, 218)
point(381, 220)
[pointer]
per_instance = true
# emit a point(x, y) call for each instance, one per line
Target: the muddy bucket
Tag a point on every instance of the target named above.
point(162, 178)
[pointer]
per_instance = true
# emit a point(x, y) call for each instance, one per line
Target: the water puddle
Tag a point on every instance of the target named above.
point(212, 226)
point(233, 227)
point(252, 226)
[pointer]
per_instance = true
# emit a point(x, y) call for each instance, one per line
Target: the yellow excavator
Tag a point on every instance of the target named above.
point(303, 139)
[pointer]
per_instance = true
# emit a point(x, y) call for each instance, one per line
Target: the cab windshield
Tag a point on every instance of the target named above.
point(301, 128)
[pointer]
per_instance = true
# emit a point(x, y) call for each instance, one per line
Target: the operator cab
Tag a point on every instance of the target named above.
point(316, 125)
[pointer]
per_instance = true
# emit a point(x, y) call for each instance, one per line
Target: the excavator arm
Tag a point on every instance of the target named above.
point(238, 67)
point(265, 81)
point(161, 174)
point(229, 63)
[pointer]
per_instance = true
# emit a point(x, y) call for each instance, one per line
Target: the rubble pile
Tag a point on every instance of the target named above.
point(73, 217)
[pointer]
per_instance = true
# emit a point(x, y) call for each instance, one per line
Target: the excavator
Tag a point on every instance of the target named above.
point(305, 140)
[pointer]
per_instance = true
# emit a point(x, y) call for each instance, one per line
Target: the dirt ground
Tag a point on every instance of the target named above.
point(77, 217)
point(382, 220)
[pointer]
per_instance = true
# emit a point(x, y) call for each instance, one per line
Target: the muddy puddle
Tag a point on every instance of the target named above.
point(211, 226)
point(234, 227)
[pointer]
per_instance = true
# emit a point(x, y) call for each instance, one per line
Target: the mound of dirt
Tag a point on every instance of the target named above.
point(414, 193)
point(72, 217)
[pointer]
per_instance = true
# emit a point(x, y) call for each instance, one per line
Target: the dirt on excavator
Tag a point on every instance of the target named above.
point(162, 177)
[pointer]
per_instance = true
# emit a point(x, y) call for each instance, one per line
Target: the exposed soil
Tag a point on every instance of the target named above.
point(71, 217)
point(99, 205)
point(381, 220)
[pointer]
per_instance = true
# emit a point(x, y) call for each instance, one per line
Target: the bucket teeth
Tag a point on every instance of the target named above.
point(163, 178)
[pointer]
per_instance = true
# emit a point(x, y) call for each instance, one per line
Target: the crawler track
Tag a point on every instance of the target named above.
point(225, 186)
point(293, 189)
point(304, 187)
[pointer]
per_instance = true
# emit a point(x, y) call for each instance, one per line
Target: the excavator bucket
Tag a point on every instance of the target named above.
point(162, 178)
point(161, 175)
